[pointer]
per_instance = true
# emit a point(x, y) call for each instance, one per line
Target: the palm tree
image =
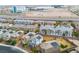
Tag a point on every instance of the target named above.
point(4, 31)
point(75, 33)
point(0, 27)
point(26, 45)
point(73, 25)
point(39, 25)
point(49, 31)
point(27, 30)
point(37, 31)
point(44, 31)
point(11, 32)
point(30, 35)
point(65, 33)
point(1, 38)
point(58, 22)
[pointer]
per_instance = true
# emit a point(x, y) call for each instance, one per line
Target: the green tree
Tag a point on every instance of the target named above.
point(34, 50)
point(63, 34)
point(44, 31)
point(37, 31)
point(75, 33)
point(73, 25)
point(58, 23)
point(1, 39)
point(38, 25)
point(4, 31)
point(11, 42)
point(0, 27)
point(63, 46)
point(26, 45)
point(26, 31)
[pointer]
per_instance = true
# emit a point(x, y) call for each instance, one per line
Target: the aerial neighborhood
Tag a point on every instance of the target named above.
point(40, 29)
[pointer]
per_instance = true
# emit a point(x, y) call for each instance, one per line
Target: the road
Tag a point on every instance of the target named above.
point(37, 18)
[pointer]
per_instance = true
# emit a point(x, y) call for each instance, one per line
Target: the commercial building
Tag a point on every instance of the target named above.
point(18, 9)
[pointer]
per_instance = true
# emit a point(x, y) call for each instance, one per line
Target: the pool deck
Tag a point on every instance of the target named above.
point(59, 40)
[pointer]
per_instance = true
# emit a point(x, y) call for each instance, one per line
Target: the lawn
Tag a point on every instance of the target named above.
point(48, 38)
point(65, 43)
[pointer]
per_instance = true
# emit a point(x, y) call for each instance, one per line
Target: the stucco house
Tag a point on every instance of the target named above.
point(7, 34)
point(28, 36)
point(33, 39)
point(36, 40)
point(59, 30)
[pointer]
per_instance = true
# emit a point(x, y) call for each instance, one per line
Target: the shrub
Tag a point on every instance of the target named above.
point(34, 50)
point(63, 46)
point(11, 42)
point(37, 31)
point(76, 34)
point(26, 45)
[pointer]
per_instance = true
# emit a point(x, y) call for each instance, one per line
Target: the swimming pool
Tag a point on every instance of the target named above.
point(55, 44)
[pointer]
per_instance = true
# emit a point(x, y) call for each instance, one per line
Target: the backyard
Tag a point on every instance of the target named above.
point(64, 43)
